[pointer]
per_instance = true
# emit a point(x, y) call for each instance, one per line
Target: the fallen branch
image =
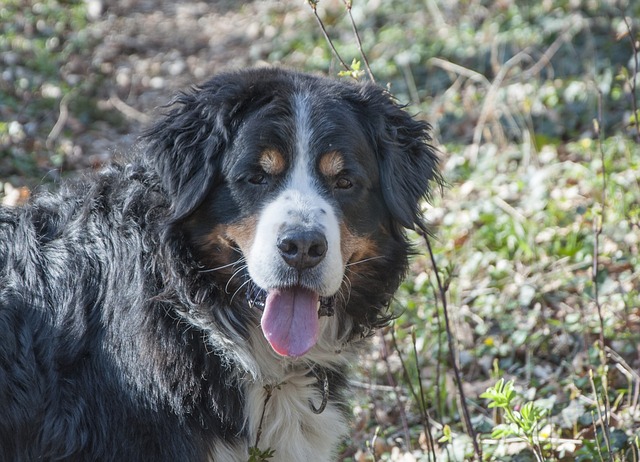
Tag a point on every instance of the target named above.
point(63, 116)
point(128, 111)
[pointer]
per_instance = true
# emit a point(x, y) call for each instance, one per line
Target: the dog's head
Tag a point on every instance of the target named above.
point(295, 189)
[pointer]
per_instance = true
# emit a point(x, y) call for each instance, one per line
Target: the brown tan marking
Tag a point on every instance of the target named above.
point(272, 162)
point(331, 164)
point(355, 248)
point(219, 248)
point(242, 232)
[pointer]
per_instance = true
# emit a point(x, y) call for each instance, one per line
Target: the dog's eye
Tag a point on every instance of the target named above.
point(258, 178)
point(343, 183)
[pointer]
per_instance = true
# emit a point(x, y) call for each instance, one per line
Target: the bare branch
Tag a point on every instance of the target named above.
point(633, 80)
point(348, 4)
point(392, 382)
point(314, 7)
point(443, 298)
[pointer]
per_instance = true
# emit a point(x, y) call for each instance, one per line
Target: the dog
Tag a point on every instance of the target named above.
point(203, 298)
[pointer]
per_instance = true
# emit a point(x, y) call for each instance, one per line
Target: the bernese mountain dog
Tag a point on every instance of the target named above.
point(203, 299)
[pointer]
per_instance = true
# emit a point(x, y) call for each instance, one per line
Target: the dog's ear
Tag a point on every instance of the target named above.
point(186, 146)
point(408, 163)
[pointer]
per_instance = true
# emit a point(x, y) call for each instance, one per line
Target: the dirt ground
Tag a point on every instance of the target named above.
point(147, 50)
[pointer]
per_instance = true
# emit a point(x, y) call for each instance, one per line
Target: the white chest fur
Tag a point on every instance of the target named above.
point(278, 414)
point(290, 427)
point(279, 418)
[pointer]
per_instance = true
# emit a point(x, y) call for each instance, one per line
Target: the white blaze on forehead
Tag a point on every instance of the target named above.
point(301, 175)
point(299, 204)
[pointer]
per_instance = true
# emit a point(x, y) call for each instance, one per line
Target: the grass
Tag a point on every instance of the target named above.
point(519, 242)
point(537, 235)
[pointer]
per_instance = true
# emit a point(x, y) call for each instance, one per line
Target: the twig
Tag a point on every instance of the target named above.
point(598, 223)
point(545, 59)
point(631, 375)
point(348, 4)
point(269, 390)
point(411, 83)
point(422, 405)
point(460, 70)
point(632, 81)
point(372, 447)
point(604, 420)
point(60, 123)
point(314, 7)
point(439, 404)
point(489, 99)
point(392, 381)
point(443, 298)
point(405, 373)
point(128, 111)
point(517, 440)
point(619, 359)
point(372, 386)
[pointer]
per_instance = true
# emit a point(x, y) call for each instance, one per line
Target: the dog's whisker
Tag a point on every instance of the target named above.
point(238, 250)
point(364, 260)
point(239, 289)
point(228, 265)
point(343, 299)
point(347, 286)
point(238, 271)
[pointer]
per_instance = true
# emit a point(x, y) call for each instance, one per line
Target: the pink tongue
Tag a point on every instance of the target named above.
point(290, 320)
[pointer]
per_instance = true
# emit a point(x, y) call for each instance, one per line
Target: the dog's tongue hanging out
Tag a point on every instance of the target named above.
point(290, 320)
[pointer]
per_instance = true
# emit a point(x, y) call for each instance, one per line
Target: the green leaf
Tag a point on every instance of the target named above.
point(354, 70)
point(257, 455)
point(505, 431)
point(446, 435)
point(501, 394)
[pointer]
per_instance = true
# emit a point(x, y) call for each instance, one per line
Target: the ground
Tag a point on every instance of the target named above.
point(138, 54)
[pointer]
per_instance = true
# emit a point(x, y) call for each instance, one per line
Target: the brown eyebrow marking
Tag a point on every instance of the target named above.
point(331, 164)
point(272, 161)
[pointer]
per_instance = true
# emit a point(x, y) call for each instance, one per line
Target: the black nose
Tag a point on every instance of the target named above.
point(302, 248)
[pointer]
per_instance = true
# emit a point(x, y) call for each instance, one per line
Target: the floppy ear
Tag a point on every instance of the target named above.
point(185, 147)
point(408, 163)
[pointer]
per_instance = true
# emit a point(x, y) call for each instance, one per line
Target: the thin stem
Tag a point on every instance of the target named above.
point(601, 419)
point(391, 380)
point(423, 404)
point(439, 403)
point(314, 4)
point(269, 390)
point(636, 68)
point(348, 4)
point(443, 298)
point(597, 232)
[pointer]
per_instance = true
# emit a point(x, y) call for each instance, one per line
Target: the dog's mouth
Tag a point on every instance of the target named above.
point(290, 317)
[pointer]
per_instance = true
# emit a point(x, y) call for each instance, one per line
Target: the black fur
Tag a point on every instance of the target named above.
point(105, 314)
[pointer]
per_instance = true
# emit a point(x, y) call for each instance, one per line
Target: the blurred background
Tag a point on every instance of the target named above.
point(535, 113)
